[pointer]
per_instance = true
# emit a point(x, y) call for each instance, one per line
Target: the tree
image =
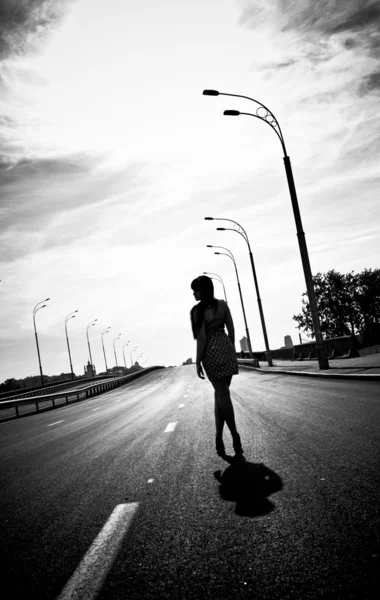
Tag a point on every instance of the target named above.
point(348, 304)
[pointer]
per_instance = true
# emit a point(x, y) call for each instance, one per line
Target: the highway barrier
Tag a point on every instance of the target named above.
point(248, 362)
point(83, 393)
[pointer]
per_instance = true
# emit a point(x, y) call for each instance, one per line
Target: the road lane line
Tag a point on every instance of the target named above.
point(181, 405)
point(97, 562)
point(150, 480)
point(96, 408)
point(185, 396)
point(55, 423)
point(171, 427)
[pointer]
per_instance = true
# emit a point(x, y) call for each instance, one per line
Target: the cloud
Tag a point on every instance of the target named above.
point(25, 26)
point(52, 201)
point(320, 30)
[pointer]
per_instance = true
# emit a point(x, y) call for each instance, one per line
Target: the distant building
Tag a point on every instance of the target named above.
point(89, 370)
point(288, 341)
point(189, 361)
point(244, 344)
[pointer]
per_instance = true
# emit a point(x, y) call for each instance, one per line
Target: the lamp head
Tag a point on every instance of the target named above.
point(209, 218)
point(221, 229)
point(216, 252)
point(209, 246)
point(46, 299)
point(210, 93)
point(231, 113)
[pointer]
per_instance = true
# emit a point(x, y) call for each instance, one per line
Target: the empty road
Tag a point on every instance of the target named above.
point(122, 496)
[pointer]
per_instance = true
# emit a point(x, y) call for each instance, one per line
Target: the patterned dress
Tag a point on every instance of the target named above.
point(219, 358)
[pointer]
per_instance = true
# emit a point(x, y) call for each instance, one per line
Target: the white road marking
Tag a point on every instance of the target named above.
point(185, 396)
point(171, 427)
point(181, 405)
point(55, 423)
point(150, 480)
point(92, 570)
point(96, 408)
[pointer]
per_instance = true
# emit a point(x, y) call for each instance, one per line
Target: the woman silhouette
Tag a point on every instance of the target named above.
point(216, 352)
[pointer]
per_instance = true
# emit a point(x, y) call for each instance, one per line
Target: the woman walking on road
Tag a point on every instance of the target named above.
point(216, 352)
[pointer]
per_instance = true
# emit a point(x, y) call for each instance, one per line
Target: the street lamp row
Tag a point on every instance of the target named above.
point(72, 315)
point(241, 231)
point(264, 114)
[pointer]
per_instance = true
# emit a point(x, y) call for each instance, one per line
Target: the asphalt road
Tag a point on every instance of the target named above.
point(299, 519)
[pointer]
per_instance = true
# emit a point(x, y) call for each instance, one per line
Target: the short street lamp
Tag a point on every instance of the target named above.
point(135, 348)
point(125, 345)
point(104, 352)
point(70, 316)
point(89, 347)
point(231, 256)
point(114, 349)
point(264, 114)
point(218, 278)
point(239, 229)
point(35, 311)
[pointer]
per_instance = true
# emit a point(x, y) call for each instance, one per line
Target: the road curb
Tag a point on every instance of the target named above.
point(353, 376)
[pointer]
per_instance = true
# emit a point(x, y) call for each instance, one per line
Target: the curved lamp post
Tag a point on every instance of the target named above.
point(264, 114)
point(35, 310)
point(218, 278)
point(89, 347)
point(239, 229)
point(106, 330)
point(114, 349)
point(231, 256)
point(125, 345)
point(70, 316)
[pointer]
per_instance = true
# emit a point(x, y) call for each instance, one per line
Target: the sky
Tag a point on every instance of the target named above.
point(111, 157)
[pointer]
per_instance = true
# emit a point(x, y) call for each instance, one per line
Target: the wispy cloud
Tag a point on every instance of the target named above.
point(25, 26)
point(50, 202)
point(324, 28)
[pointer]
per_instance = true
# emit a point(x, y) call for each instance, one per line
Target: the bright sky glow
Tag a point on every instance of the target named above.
point(110, 158)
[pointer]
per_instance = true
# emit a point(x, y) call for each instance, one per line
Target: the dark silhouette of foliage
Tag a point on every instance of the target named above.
point(348, 304)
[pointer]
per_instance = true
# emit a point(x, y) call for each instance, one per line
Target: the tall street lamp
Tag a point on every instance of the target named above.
point(35, 311)
point(264, 114)
point(231, 256)
point(70, 316)
point(239, 229)
point(217, 278)
point(106, 330)
point(125, 345)
point(114, 349)
point(89, 347)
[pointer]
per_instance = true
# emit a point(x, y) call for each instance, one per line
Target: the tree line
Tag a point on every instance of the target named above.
point(348, 304)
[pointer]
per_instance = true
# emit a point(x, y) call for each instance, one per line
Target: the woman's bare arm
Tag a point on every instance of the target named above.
point(229, 324)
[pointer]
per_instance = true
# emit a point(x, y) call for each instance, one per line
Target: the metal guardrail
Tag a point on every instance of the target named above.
point(38, 391)
point(75, 395)
point(248, 362)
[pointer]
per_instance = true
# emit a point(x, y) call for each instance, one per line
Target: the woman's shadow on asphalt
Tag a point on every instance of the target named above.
point(249, 485)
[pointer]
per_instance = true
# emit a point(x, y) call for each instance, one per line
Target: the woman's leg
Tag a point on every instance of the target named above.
point(219, 418)
point(223, 399)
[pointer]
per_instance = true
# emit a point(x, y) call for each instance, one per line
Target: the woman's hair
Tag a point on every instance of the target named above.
point(204, 285)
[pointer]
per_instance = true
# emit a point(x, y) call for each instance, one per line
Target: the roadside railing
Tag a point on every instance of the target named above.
point(83, 393)
point(51, 388)
point(248, 362)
